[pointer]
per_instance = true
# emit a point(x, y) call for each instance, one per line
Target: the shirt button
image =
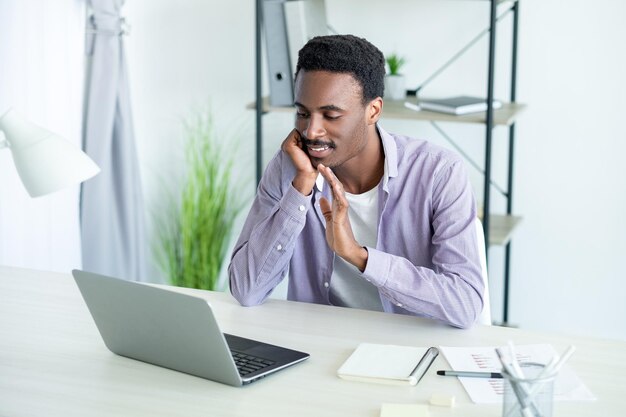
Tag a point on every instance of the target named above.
point(326, 285)
point(399, 304)
point(279, 247)
point(301, 208)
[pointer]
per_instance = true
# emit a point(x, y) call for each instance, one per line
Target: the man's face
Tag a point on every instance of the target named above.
point(330, 116)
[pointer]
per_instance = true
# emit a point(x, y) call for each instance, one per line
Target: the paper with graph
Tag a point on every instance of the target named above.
point(567, 387)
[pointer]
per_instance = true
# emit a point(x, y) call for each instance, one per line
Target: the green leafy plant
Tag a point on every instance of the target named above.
point(194, 230)
point(395, 62)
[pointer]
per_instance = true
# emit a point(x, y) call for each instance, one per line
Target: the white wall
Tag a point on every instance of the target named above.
point(570, 186)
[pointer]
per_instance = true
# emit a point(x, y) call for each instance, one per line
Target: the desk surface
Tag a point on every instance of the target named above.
point(53, 362)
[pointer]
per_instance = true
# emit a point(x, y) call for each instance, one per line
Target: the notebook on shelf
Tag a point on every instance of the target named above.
point(388, 364)
point(457, 105)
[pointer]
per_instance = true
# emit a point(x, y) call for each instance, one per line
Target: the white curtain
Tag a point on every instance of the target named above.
point(41, 73)
point(112, 216)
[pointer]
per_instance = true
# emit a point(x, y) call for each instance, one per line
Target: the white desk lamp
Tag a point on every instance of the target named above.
point(45, 161)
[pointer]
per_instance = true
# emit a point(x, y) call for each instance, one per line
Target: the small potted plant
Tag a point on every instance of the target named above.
point(395, 84)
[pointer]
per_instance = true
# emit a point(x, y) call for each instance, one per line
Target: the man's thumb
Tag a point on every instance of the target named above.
point(326, 209)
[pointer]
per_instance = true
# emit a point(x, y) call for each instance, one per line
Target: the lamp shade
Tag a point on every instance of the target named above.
point(45, 161)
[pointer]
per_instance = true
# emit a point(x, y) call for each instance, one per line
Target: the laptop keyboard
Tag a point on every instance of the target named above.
point(247, 364)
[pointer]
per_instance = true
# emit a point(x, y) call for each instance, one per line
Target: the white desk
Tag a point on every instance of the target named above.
point(53, 362)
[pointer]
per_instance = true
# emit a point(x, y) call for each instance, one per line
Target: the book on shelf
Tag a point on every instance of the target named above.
point(457, 105)
point(388, 364)
point(304, 19)
point(277, 47)
point(288, 25)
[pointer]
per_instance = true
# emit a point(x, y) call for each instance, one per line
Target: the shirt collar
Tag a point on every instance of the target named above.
point(319, 182)
point(391, 156)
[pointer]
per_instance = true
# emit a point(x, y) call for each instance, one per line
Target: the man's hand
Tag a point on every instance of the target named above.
point(338, 229)
point(306, 174)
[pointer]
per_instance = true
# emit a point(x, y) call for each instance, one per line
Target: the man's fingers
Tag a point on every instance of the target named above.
point(304, 181)
point(292, 139)
point(332, 180)
point(327, 173)
point(339, 196)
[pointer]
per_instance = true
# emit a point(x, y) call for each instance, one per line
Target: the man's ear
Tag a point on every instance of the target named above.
point(374, 110)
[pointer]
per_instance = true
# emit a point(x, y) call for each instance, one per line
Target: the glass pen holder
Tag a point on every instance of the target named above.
point(531, 396)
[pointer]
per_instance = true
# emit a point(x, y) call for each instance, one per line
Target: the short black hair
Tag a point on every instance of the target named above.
point(346, 54)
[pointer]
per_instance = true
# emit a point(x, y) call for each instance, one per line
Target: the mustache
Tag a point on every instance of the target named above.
point(315, 142)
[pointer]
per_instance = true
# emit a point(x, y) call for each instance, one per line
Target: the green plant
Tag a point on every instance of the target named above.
point(194, 229)
point(395, 62)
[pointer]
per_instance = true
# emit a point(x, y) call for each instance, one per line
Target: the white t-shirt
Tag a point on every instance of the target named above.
point(347, 287)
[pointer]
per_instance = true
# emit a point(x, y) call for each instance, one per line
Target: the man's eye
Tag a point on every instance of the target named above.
point(330, 117)
point(301, 115)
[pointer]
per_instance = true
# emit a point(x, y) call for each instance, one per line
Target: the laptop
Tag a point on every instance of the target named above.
point(175, 331)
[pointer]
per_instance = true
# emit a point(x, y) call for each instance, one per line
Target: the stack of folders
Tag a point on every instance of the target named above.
point(457, 105)
point(388, 364)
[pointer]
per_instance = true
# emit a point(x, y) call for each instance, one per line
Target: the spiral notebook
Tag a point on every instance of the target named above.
point(388, 364)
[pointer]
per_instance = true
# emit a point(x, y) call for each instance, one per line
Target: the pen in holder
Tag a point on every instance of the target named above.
point(529, 396)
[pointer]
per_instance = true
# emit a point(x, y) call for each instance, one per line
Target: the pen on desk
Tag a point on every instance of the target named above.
point(471, 374)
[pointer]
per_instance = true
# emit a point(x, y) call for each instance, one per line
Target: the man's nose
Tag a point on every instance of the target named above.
point(314, 128)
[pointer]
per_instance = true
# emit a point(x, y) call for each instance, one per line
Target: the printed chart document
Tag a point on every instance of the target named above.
point(388, 364)
point(567, 386)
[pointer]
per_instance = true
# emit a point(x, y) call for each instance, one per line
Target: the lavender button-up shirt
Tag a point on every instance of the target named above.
point(425, 262)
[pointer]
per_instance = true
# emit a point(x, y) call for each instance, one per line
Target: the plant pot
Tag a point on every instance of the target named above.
point(395, 87)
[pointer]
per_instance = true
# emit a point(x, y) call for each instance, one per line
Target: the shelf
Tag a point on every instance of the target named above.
point(504, 116)
point(501, 228)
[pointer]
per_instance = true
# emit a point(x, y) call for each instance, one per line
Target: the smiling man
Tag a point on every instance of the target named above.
point(356, 216)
